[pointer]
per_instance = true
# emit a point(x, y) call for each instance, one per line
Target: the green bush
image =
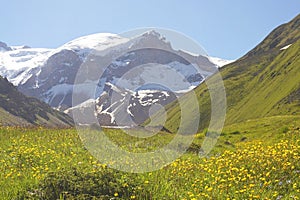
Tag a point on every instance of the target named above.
point(235, 133)
point(76, 184)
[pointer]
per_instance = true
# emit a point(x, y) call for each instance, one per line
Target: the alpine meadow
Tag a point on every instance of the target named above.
point(52, 120)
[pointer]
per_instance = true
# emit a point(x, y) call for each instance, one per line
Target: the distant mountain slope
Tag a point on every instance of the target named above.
point(264, 82)
point(125, 63)
point(17, 109)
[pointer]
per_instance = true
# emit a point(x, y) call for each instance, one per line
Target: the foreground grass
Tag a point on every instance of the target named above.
point(53, 164)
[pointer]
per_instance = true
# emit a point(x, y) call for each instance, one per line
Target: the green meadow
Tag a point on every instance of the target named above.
point(256, 159)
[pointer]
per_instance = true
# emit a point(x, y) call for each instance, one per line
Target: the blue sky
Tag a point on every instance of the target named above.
point(225, 28)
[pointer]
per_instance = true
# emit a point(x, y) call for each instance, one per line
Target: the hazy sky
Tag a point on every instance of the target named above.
point(225, 28)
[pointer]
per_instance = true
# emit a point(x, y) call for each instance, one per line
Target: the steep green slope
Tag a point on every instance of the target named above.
point(17, 109)
point(265, 82)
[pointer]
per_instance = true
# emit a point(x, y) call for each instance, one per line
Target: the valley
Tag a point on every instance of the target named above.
point(54, 124)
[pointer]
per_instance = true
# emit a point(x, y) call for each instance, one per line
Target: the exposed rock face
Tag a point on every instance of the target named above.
point(53, 82)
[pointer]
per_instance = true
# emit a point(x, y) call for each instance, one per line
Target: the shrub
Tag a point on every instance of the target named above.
point(75, 184)
point(235, 133)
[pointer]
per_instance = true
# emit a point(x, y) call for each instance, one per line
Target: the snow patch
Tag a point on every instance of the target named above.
point(17, 65)
point(285, 47)
point(191, 53)
point(186, 90)
point(88, 88)
point(100, 41)
point(219, 62)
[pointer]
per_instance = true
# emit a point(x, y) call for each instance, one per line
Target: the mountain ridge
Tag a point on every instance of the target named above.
point(50, 75)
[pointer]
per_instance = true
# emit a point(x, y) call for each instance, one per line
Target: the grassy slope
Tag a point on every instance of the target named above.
point(263, 93)
point(268, 130)
point(17, 109)
point(265, 82)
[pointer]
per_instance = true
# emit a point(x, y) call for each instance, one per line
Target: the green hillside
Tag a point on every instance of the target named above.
point(265, 82)
point(19, 110)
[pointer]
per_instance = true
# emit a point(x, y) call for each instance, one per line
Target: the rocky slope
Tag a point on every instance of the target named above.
point(18, 110)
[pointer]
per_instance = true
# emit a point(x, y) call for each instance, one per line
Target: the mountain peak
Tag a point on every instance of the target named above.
point(95, 40)
point(152, 33)
point(280, 37)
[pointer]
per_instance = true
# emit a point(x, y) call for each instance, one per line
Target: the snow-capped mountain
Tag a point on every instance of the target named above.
point(109, 64)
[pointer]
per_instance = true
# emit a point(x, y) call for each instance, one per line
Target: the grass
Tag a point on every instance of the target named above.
point(53, 164)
